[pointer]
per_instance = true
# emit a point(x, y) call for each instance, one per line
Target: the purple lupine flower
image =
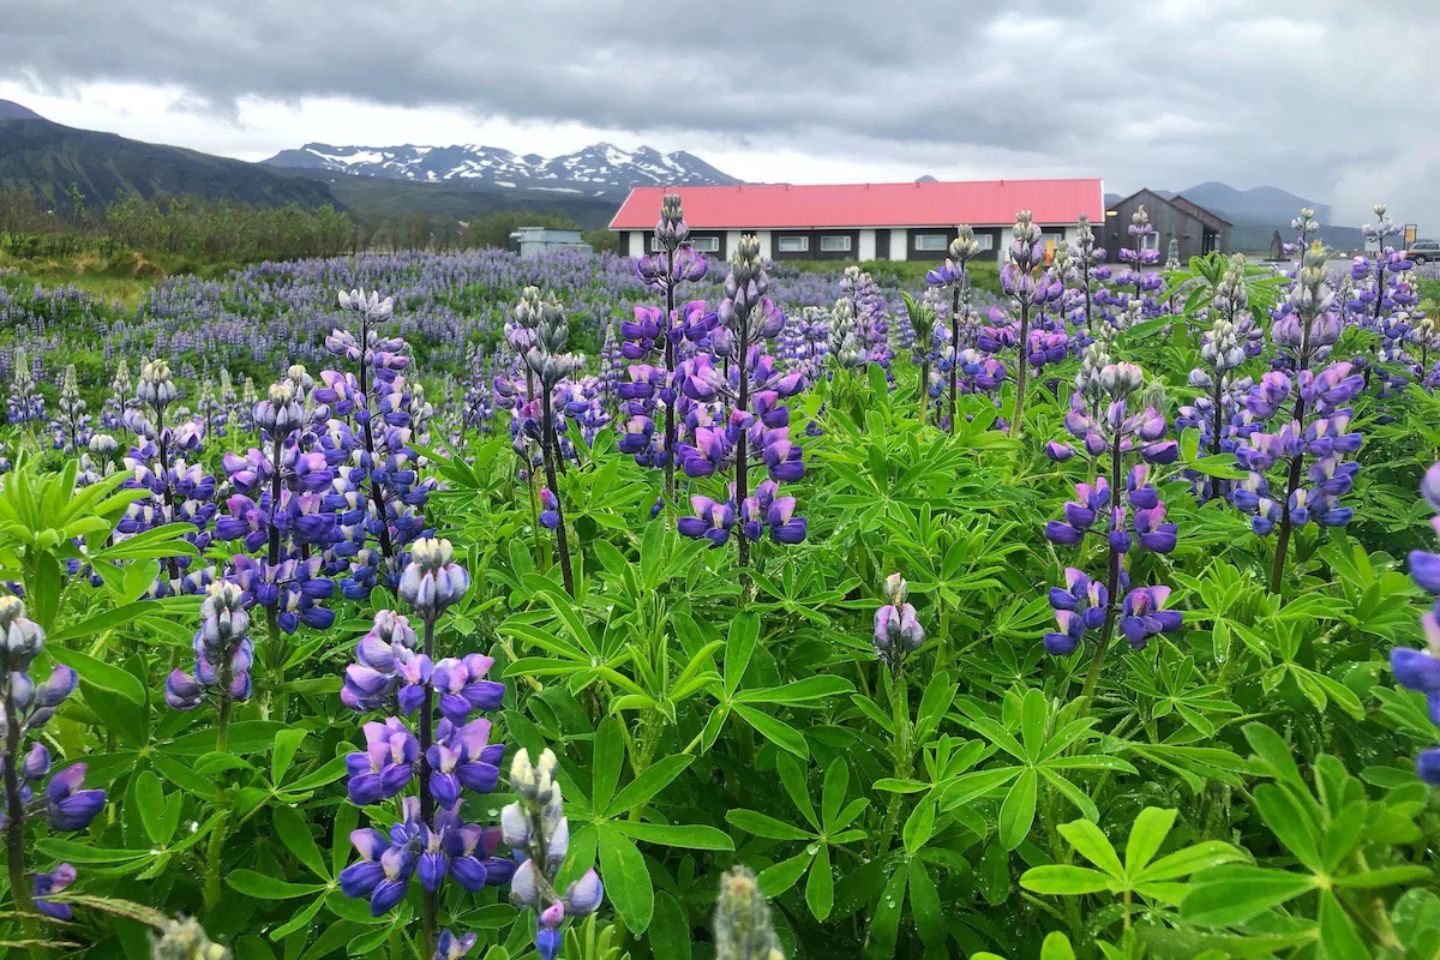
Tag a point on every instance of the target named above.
point(46, 885)
point(69, 807)
point(897, 629)
point(1419, 670)
point(538, 833)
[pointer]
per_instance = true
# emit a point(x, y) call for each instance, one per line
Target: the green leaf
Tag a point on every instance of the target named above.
point(832, 794)
point(800, 691)
point(763, 825)
point(1192, 859)
point(1093, 845)
point(182, 775)
point(739, 646)
point(1147, 836)
point(252, 883)
point(1032, 723)
point(62, 849)
point(1064, 880)
point(302, 918)
point(283, 753)
point(685, 836)
point(1289, 823)
point(1382, 877)
point(1274, 751)
point(925, 906)
point(294, 833)
point(1017, 812)
point(670, 929)
point(776, 731)
point(609, 756)
point(98, 673)
point(246, 736)
point(775, 880)
point(627, 881)
point(1231, 895)
point(820, 885)
point(1339, 940)
point(919, 826)
point(150, 798)
point(885, 920)
point(655, 778)
point(1056, 947)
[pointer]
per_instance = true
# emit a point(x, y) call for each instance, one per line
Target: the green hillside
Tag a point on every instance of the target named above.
point(47, 159)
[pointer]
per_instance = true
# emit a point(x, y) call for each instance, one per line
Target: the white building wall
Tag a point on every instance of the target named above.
point(732, 240)
point(899, 248)
point(637, 243)
point(867, 245)
point(763, 236)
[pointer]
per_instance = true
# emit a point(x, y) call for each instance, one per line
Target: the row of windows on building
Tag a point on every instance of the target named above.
point(844, 243)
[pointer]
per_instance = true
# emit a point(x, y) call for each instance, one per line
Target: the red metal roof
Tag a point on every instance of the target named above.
point(781, 206)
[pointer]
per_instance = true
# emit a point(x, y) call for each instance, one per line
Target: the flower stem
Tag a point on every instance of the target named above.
point(1282, 545)
point(1016, 425)
point(427, 799)
point(670, 375)
point(15, 833)
point(1112, 599)
point(549, 453)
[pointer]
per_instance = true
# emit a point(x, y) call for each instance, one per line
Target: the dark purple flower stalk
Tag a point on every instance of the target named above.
point(734, 413)
point(1305, 329)
point(430, 840)
point(25, 707)
point(1024, 278)
point(179, 492)
point(25, 404)
point(676, 263)
point(71, 429)
point(382, 408)
point(223, 656)
point(1419, 670)
point(1100, 418)
point(549, 364)
point(1083, 266)
point(538, 834)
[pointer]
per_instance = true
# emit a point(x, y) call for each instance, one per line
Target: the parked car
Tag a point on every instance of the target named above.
point(1423, 251)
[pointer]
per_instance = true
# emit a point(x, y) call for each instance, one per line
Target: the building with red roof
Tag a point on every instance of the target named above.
point(860, 221)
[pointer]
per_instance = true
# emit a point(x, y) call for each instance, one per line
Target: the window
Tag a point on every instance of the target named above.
point(698, 244)
point(835, 244)
point(932, 241)
point(1149, 241)
point(985, 240)
point(793, 244)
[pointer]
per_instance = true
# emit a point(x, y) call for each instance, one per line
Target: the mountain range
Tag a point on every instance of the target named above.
point(48, 158)
point(458, 182)
point(599, 170)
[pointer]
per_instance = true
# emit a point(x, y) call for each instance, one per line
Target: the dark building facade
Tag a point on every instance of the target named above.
point(1197, 231)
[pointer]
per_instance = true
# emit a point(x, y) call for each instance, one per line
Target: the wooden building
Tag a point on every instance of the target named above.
point(861, 221)
point(1196, 230)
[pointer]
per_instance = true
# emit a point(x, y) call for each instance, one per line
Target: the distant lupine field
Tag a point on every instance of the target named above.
point(423, 606)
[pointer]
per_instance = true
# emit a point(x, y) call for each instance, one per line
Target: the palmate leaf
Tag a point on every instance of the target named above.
point(1229, 895)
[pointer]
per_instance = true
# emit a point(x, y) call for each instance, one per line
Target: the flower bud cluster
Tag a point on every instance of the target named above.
point(538, 833)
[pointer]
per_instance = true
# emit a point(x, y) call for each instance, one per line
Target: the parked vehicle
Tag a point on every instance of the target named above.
point(1423, 251)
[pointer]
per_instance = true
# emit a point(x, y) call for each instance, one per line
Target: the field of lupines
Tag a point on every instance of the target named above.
point(439, 606)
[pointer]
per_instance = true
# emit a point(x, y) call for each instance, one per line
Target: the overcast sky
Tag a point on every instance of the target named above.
point(1337, 101)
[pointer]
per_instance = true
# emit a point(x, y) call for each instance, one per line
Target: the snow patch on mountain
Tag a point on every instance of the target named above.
point(600, 169)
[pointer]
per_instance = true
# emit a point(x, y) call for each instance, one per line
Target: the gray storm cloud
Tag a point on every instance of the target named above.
point(1314, 97)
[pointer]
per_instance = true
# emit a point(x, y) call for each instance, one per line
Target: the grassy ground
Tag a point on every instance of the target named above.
point(123, 277)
